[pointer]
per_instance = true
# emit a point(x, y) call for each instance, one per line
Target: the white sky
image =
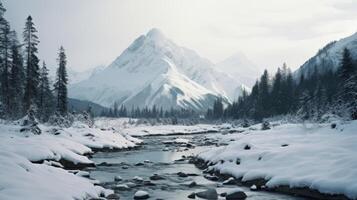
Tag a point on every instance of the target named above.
point(95, 32)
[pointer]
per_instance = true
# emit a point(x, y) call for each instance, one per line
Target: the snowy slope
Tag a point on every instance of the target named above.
point(78, 76)
point(20, 178)
point(328, 57)
point(314, 156)
point(155, 71)
point(241, 68)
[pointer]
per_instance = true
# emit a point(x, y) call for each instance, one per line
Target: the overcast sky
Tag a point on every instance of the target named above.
point(95, 32)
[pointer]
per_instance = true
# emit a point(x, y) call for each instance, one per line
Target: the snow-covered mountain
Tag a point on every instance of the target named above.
point(155, 71)
point(241, 68)
point(328, 57)
point(78, 76)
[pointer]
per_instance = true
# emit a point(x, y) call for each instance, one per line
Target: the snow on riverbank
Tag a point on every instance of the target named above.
point(20, 178)
point(294, 155)
point(129, 126)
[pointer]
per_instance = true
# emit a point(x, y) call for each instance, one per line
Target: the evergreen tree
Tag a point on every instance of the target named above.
point(5, 64)
point(45, 96)
point(348, 83)
point(32, 64)
point(17, 79)
point(218, 109)
point(61, 83)
point(305, 102)
point(277, 94)
point(264, 108)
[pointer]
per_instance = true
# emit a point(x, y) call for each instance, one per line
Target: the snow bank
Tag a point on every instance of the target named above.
point(21, 178)
point(295, 155)
point(130, 127)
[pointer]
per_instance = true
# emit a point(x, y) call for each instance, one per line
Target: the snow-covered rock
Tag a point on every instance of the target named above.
point(155, 71)
point(236, 194)
point(141, 195)
point(210, 193)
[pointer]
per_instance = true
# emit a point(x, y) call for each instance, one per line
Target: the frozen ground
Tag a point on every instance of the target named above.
point(315, 156)
point(22, 178)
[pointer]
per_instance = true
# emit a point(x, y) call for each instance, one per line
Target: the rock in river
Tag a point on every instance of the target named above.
point(113, 197)
point(141, 195)
point(236, 195)
point(210, 193)
point(118, 178)
point(156, 177)
point(192, 196)
point(181, 174)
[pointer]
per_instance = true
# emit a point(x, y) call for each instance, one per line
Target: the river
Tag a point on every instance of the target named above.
point(159, 155)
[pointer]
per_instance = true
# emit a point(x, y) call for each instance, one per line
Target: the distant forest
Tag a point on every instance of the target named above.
point(307, 97)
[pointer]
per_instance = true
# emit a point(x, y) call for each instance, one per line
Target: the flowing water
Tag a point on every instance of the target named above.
point(159, 156)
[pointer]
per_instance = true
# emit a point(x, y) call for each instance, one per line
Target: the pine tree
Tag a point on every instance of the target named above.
point(32, 64)
point(5, 55)
point(348, 83)
point(218, 109)
point(17, 79)
point(305, 102)
point(263, 98)
point(45, 96)
point(277, 94)
point(61, 83)
point(5, 61)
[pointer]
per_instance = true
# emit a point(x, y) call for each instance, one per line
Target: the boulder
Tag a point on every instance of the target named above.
point(156, 177)
point(113, 197)
point(192, 196)
point(121, 187)
point(265, 125)
point(181, 174)
point(117, 178)
point(236, 195)
point(141, 195)
point(138, 179)
point(253, 188)
point(131, 184)
point(192, 184)
point(139, 164)
point(210, 193)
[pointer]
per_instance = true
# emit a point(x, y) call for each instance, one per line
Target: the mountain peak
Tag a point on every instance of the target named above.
point(155, 34)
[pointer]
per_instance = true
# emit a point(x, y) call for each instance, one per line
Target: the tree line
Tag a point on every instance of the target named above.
point(148, 112)
point(308, 97)
point(24, 84)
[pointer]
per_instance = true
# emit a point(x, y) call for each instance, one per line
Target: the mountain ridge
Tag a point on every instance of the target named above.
point(154, 70)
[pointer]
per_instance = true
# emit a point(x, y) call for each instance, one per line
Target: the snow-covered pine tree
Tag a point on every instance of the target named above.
point(305, 104)
point(45, 96)
point(218, 109)
point(32, 64)
point(5, 61)
point(263, 100)
point(17, 79)
point(61, 83)
point(277, 94)
point(348, 83)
